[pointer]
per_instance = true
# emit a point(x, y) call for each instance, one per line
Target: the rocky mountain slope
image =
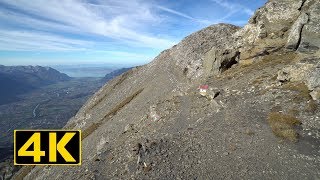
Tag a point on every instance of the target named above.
point(258, 120)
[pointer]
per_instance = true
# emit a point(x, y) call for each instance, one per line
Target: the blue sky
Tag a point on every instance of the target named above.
point(42, 32)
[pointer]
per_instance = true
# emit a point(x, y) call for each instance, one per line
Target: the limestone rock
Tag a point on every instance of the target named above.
point(129, 127)
point(295, 32)
point(307, 71)
point(268, 27)
point(315, 94)
point(310, 35)
point(313, 83)
point(189, 53)
point(294, 73)
point(217, 60)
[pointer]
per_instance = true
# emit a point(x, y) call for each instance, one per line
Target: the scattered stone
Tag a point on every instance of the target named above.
point(209, 93)
point(203, 89)
point(129, 127)
point(294, 73)
point(153, 114)
point(313, 81)
point(136, 148)
point(315, 94)
point(263, 35)
point(249, 132)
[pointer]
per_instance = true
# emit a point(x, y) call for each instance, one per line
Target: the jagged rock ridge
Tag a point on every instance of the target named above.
point(262, 122)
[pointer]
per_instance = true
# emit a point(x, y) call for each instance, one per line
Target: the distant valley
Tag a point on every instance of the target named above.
point(35, 97)
point(16, 80)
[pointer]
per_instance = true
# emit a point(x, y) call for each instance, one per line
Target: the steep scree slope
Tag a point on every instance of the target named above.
point(260, 121)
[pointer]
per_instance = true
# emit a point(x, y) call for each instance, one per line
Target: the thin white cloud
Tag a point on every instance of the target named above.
point(122, 54)
point(233, 7)
point(203, 21)
point(37, 24)
point(46, 25)
point(28, 41)
point(121, 23)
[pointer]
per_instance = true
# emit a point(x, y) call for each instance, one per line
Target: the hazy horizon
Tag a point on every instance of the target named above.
point(85, 70)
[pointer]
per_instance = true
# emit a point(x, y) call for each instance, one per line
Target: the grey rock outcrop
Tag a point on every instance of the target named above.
point(306, 71)
point(281, 23)
point(189, 53)
point(295, 32)
point(310, 35)
point(297, 72)
point(219, 60)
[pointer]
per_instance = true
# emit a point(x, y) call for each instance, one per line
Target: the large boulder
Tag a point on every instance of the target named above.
point(189, 53)
point(219, 60)
point(307, 71)
point(310, 35)
point(295, 32)
point(268, 28)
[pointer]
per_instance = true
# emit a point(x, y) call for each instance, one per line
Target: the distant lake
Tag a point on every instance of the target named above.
point(85, 71)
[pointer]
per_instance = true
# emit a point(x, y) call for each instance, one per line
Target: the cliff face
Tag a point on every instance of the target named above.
point(258, 119)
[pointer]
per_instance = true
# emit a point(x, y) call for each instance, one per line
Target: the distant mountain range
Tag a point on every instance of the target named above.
point(36, 97)
point(88, 70)
point(15, 80)
point(114, 74)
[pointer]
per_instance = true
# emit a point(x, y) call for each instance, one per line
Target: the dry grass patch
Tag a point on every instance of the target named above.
point(94, 126)
point(312, 106)
point(294, 112)
point(301, 88)
point(303, 96)
point(257, 81)
point(282, 125)
point(271, 60)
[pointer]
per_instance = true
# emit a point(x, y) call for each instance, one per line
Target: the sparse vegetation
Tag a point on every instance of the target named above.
point(257, 81)
point(274, 78)
point(301, 88)
point(282, 125)
point(303, 96)
point(271, 60)
point(294, 112)
point(312, 106)
point(90, 130)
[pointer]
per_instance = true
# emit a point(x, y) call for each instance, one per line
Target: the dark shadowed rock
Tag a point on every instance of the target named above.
point(294, 37)
point(310, 35)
